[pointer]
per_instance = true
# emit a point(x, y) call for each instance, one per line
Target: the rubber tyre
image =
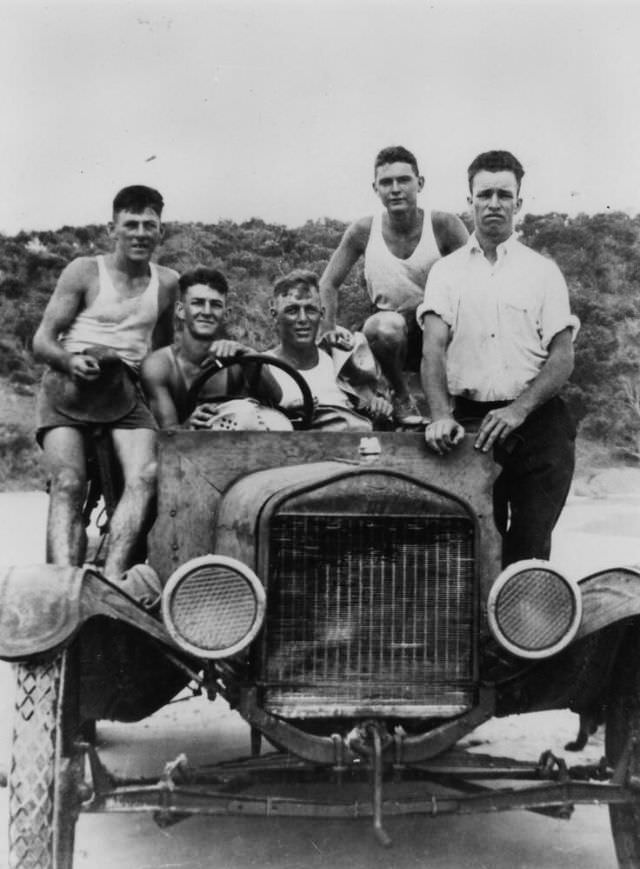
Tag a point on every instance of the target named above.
point(45, 766)
point(623, 719)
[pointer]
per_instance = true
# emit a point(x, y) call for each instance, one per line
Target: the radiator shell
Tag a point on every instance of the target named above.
point(372, 599)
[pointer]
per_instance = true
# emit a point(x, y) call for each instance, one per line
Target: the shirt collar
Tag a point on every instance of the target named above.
point(504, 247)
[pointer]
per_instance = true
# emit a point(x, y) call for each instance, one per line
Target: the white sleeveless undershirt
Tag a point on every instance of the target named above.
point(322, 383)
point(119, 322)
point(398, 284)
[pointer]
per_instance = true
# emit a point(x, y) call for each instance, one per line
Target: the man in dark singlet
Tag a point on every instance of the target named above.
point(168, 373)
point(399, 247)
point(105, 311)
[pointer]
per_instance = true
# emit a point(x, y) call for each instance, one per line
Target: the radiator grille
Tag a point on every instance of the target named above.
point(369, 614)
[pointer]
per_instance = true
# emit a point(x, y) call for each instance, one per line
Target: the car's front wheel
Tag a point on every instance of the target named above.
point(622, 729)
point(46, 765)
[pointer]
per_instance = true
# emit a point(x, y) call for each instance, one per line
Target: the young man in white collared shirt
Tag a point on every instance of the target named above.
point(497, 350)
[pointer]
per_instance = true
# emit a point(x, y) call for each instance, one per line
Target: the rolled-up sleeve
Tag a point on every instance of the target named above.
point(556, 313)
point(437, 297)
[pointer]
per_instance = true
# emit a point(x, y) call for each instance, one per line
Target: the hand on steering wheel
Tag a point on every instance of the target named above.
point(214, 365)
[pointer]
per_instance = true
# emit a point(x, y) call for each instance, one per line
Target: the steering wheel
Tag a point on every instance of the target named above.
point(214, 365)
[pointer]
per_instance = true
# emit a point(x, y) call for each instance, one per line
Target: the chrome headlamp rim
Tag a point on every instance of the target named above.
point(503, 578)
point(212, 560)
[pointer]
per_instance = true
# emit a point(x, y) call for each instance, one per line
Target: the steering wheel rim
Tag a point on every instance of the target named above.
point(215, 365)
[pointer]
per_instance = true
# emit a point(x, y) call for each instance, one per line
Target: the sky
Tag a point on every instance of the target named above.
point(276, 108)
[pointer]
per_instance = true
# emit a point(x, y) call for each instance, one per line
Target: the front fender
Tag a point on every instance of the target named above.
point(609, 596)
point(39, 608)
point(42, 607)
point(579, 677)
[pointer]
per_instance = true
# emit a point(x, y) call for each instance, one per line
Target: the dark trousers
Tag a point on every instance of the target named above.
point(537, 463)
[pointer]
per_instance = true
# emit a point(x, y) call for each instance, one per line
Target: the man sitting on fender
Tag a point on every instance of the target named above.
point(105, 314)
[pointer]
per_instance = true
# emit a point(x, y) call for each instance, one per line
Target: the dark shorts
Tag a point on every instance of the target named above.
point(414, 337)
point(414, 341)
point(48, 416)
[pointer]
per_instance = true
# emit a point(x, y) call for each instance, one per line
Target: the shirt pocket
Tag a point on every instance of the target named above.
point(518, 322)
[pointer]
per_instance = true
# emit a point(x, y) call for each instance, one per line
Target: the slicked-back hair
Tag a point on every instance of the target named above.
point(136, 198)
point(495, 161)
point(297, 278)
point(203, 275)
point(395, 154)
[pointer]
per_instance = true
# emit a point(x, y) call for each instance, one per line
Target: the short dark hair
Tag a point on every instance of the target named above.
point(136, 198)
point(395, 154)
point(298, 277)
point(495, 161)
point(203, 275)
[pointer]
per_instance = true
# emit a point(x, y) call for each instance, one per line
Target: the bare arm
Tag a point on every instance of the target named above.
point(268, 389)
point(154, 375)
point(348, 252)
point(498, 424)
point(432, 369)
point(164, 328)
point(63, 306)
point(450, 232)
point(258, 379)
point(443, 432)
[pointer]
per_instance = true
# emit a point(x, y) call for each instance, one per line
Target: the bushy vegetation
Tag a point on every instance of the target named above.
point(598, 254)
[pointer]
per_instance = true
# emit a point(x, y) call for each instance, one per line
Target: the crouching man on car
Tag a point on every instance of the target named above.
point(497, 348)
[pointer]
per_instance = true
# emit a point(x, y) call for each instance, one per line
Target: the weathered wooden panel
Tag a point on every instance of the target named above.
point(196, 468)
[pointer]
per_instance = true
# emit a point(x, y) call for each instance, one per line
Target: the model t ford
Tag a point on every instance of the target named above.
point(344, 595)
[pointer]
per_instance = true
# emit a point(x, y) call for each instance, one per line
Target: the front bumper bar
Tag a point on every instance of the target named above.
point(452, 788)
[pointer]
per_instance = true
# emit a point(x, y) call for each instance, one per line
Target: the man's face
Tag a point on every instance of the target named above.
point(136, 234)
point(298, 315)
point(201, 310)
point(495, 203)
point(398, 186)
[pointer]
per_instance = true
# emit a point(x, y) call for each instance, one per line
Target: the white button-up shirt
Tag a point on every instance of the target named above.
point(502, 317)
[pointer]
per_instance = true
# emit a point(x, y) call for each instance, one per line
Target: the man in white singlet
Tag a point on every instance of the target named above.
point(399, 247)
point(297, 311)
point(104, 311)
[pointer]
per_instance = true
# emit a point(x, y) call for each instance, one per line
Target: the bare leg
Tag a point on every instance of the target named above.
point(136, 451)
point(64, 457)
point(386, 333)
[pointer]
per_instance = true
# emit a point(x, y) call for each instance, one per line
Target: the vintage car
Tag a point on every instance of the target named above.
point(344, 594)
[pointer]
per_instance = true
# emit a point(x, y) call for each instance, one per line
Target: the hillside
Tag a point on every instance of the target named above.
point(599, 255)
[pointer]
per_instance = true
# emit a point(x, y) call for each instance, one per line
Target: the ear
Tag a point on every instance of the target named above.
point(518, 205)
point(161, 231)
point(111, 228)
point(470, 201)
point(420, 182)
point(179, 309)
point(272, 310)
